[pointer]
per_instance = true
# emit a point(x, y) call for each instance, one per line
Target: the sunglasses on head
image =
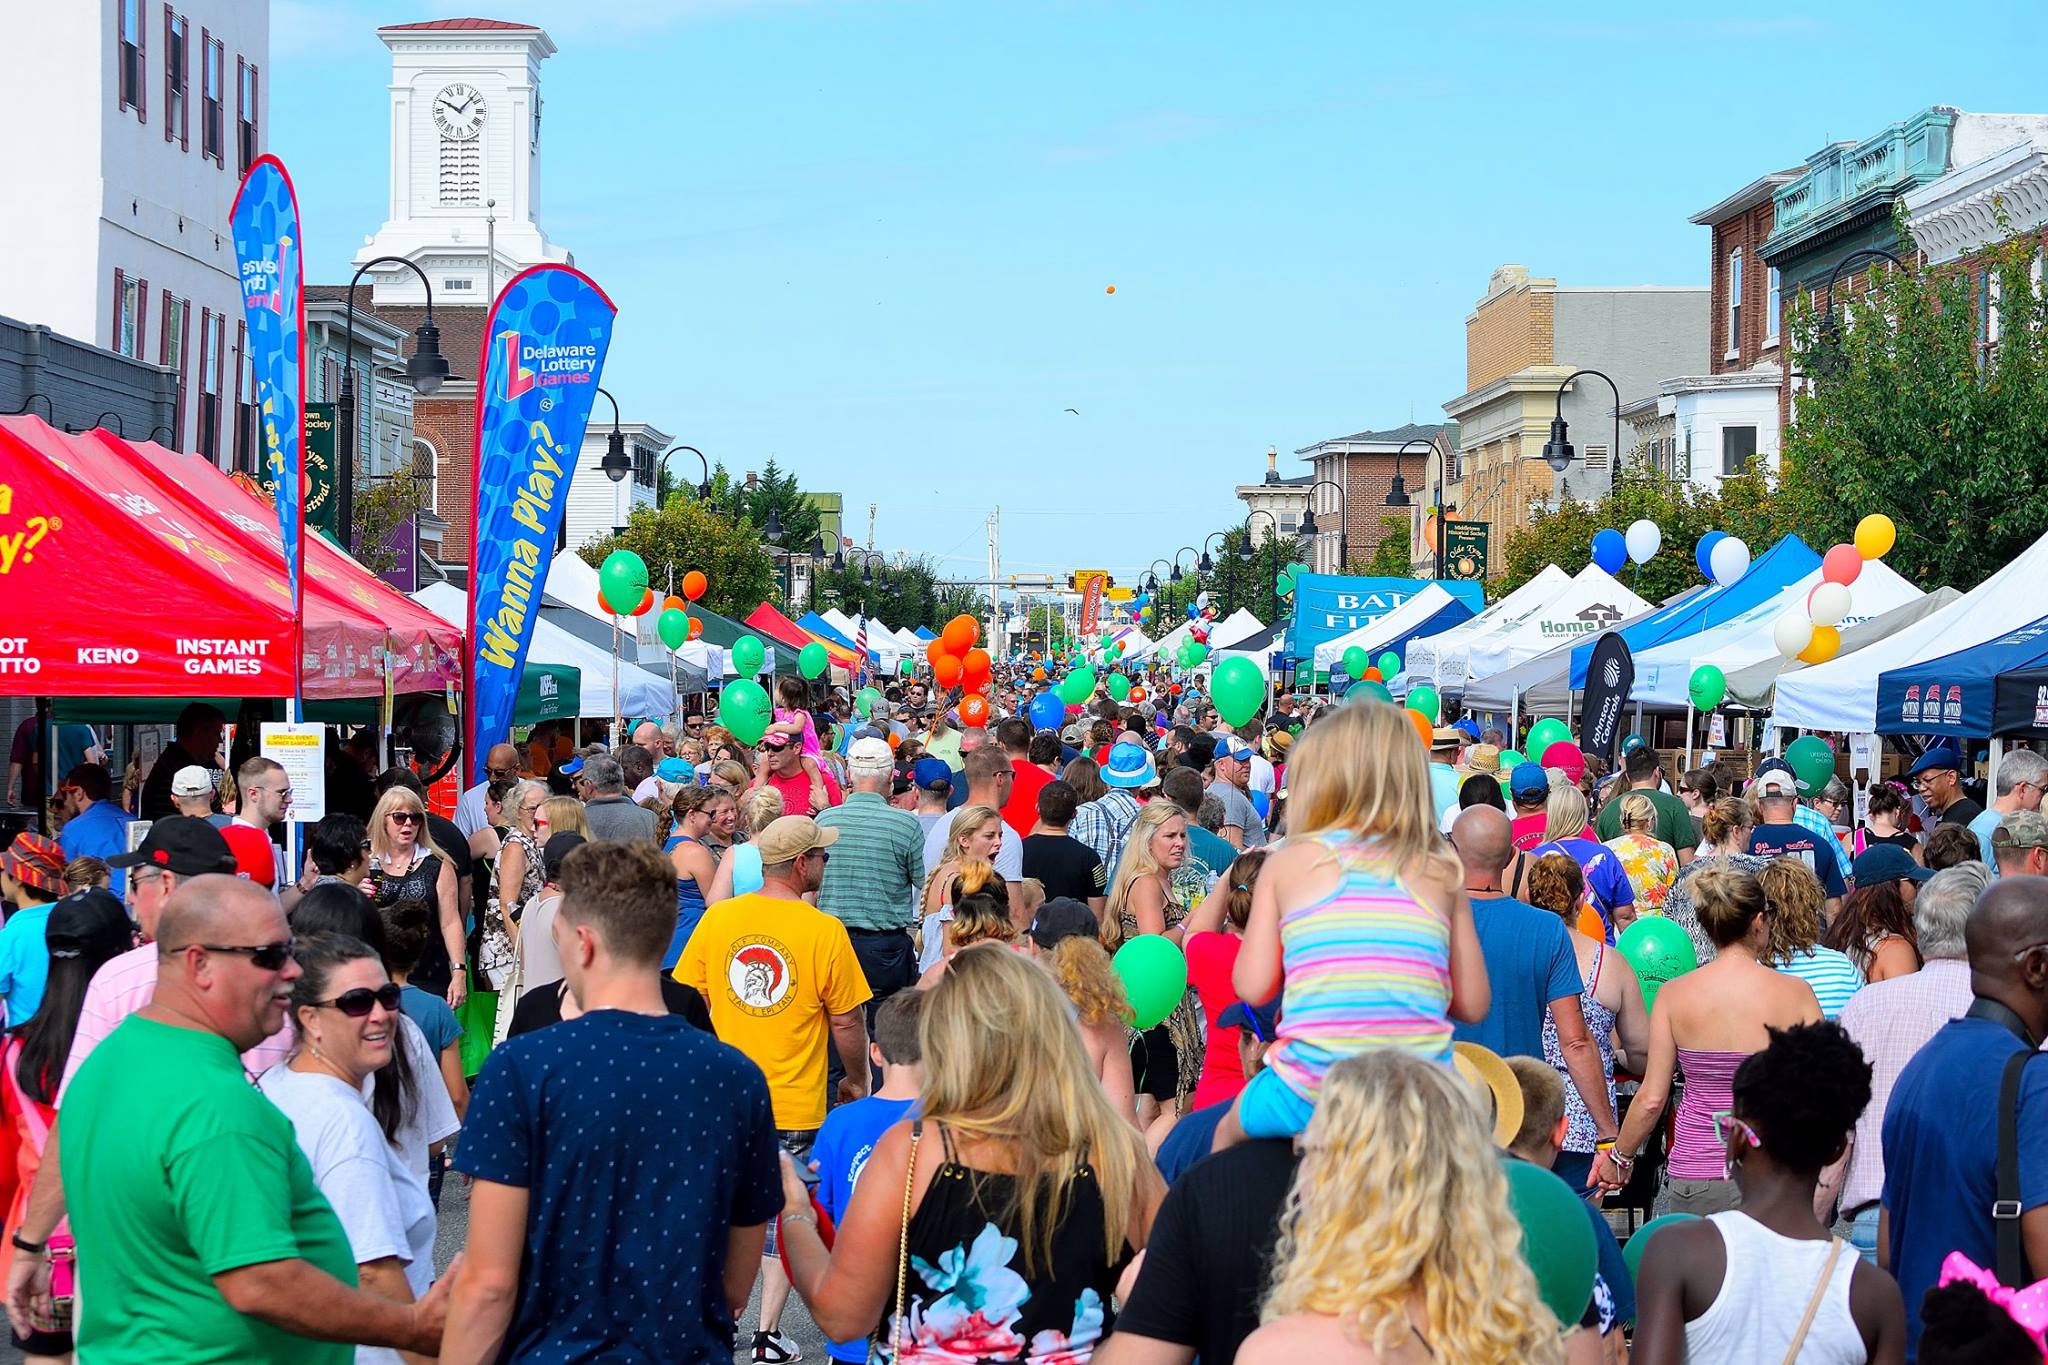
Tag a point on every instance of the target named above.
point(407, 817)
point(358, 1003)
point(268, 957)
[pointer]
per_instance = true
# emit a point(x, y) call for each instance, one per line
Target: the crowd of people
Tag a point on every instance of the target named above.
point(848, 1012)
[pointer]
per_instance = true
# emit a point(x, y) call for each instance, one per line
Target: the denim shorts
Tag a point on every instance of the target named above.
point(797, 1142)
point(1269, 1108)
point(1861, 1231)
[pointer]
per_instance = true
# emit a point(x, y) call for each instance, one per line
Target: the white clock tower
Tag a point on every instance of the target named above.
point(465, 156)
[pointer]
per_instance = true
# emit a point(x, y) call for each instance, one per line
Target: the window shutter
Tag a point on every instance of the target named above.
point(241, 340)
point(120, 290)
point(184, 368)
point(164, 332)
point(141, 316)
point(141, 67)
point(169, 76)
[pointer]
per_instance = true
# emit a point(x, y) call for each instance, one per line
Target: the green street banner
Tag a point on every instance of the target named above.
point(1464, 551)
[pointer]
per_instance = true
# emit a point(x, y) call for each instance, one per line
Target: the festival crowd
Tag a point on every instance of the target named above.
point(1140, 1038)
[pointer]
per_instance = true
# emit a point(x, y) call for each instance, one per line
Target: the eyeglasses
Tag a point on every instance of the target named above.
point(267, 957)
point(358, 1003)
point(2021, 955)
point(504, 774)
point(1728, 1128)
point(363, 847)
point(407, 817)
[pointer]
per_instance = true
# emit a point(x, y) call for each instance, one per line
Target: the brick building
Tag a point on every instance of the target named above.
point(1362, 464)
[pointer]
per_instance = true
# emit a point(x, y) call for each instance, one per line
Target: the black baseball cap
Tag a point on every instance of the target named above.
point(1262, 1020)
point(1063, 917)
point(558, 848)
point(182, 844)
point(89, 923)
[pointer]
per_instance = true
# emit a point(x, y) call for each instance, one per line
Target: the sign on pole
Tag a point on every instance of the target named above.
point(1465, 550)
point(297, 748)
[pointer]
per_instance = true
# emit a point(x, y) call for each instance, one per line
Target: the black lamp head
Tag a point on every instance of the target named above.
point(1397, 495)
point(1205, 564)
point(1558, 449)
point(426, 367)
point(772, 532)
point(1308, 523)
point(616, 464)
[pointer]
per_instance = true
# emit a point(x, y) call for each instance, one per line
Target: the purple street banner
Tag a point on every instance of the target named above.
point(543, 350)
point(269, 254)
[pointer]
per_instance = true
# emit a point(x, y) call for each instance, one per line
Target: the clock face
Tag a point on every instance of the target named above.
point(459, 111)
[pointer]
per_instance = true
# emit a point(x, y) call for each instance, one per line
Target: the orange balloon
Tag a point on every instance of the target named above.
point(694, 584)
point(960, 634)
point(893, 738)
point(1591, 925)
point(673, 603)
point(935, 651)
point(1826, 643)
point(974, 712)
point(976, 666)
point(696, 627)
point(604, 605)
point(1038, 675)
point(646, 603)
point(946, 670)
point(1422, 726)
point(1373, 675)
point(1110, 290)
point(1137, 694)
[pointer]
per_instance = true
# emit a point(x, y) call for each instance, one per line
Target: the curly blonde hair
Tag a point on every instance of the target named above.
point(1400, 1199)
point(759, 808)
point(1795, 895)
point(1083, 969)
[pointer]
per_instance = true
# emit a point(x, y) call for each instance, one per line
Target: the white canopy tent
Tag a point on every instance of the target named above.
point(641, 692)
point(1541, 685)
point(1442, 659)
point(1664, 672)
point(1391, 629)
point(882, 642)
point(1841, 694)
point(1756, 684)
point(1240, 625)
point(1592, 602)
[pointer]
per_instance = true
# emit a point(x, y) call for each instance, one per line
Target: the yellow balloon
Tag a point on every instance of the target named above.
point(1826, 643)
point(1875, 536)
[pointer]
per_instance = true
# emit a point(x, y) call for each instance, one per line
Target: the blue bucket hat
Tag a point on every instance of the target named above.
point(1130, 767)
point(676, 770)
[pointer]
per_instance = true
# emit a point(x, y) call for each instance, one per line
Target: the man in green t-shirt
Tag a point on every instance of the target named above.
point(1645, 773)
point(201, 1235)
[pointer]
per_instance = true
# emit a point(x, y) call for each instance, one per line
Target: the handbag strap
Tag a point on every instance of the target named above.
point(903, 1245)
point(1827, 1274)
point(2005, 1207)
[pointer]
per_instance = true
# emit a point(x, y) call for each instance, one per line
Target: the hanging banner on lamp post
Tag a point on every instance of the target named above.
point(543, 349)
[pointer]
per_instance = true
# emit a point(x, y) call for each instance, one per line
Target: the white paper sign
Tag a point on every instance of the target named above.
point(300, 750)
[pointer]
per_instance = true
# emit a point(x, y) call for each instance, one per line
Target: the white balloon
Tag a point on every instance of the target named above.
point(1792, 634)
point(1729, 560)
point(1643, 539)
point(1202, 601)
point(1829, 604)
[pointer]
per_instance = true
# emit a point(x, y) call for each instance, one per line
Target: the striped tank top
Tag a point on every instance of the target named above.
point(1367, 966)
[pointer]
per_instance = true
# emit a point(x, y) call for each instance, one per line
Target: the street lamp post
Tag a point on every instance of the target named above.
point(1152, 574)
point(1397, 496)
point(1308, 521)
point(1830, 336)
point(426, 368)
point(704, 488)
point(616, 464)
point(1177, 575)
point(1557, 451)
point(1251, 553)
point(1206, 564)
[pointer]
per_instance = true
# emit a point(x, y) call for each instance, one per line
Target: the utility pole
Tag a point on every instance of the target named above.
point(995, 559)
point(871, 526)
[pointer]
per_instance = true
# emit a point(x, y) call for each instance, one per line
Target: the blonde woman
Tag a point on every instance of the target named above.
point(1026, 1190)
point(1096, 992)
point(1609, 893)
point(1363, 871)
point(1398, 1243)
point(757, 811)
point(976, 835)
point(1651, 864)
point(979, 918)
point(405, 865)
point(688, 823)
point(560, 815)
point(1146, 897)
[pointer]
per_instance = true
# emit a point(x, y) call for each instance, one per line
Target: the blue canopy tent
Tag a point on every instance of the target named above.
point(819, 626)
point(926, 634)
point(1965, 695)
point(1777, 568)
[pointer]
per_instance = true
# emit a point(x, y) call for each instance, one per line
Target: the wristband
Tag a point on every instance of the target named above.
point(32, 1248)
point(800, 1218)
point(1603, 1144)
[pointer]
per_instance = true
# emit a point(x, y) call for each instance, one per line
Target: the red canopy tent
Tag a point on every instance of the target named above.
point(772, 623)
point(132, 571)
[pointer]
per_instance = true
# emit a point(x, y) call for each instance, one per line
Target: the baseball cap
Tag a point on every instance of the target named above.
point(572, 767)
point(90, 923)
point(1935, 759)
point(182, 844)
point(775, 740)
point(559, 847)
point(1778, 783)
point(1774, 765)
point(2020, 829)
point(1231, 747)
point(192, 780)
point(35, 861)
point(930, 774)
point(1129, 767)
point(1528, 779)
point(1632, 743)
point(789, 837)
point(676, 770)
point(1062, 917)
point(1882, 863)
point(1262, 1020)
point(874, 755)
point(255, 855)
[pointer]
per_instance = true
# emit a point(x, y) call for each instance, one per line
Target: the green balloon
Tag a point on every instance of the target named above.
point(1544, 733)
point(909, 668)
point(1078, 686)
point(1425, 700)
point(1659, 950)
point(743, 709)
point(1238, 689)
point(1356, 661)
point(1197, 653)
point(1390, 664)
point(1813, 763)
point(1632, 1250)
point(674, 627)
point(622, 578)
point(1557, 1239)
point(1707, 687)
point(1155, 977)
point(811, 659)
point(1369, 691)
point(864, 702)
point(747, 656)
point(1119, 687)
point(1509, 761)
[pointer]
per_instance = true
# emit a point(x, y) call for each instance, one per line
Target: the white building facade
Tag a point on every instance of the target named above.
point(596, 505)
point(145, 114)
point(1274, 506)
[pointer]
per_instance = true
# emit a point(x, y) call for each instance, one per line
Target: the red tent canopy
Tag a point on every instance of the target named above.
point(776, 626)
point(139, 572)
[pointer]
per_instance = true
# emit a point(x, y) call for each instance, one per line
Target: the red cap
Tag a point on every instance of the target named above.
point(255, 855)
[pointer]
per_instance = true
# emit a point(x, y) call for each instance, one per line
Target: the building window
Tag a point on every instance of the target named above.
point(209, 385)
point(1738, 448)
point(128, 296)
point(177, 117)
point(128, 57)
point(1735, 301)
point(1290, 524)
point(249, 145)
point(426, 469)
point(1774, 302)
point(177, 317)
point(248, 445)
point(212, 58)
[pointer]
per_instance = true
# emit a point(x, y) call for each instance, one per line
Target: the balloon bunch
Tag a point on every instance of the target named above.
point(675, 625)
point(958, 662)
point(1814, 635)
point(1639, 545)
point(622, 585)
point(1722, 558)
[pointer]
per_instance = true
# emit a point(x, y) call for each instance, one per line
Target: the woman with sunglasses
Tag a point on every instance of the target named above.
point(345, 1018)
point(405, 865)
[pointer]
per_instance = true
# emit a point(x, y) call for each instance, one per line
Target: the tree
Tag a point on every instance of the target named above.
point(773, 489)
point(381, 506)
point(1391, 559)
point(1041, 619)
point(902, 593)
point(685, 534)
point(1915, 413)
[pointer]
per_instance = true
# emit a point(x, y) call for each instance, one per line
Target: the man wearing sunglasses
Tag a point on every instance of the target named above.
point(207, 1233)
point(501, 764)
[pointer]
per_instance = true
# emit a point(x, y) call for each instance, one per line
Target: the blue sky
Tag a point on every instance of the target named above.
point(872, 238)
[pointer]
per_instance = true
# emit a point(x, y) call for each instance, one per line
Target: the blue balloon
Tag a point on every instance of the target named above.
point(1047, 711)
point(1703, 554)
point(1610, 550)
point(1263, 804)
point(1194, 612)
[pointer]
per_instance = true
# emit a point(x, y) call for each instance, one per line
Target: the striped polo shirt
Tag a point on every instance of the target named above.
point(875, 872)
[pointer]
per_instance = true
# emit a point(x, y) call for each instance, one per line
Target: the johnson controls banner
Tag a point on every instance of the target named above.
point(543, 351)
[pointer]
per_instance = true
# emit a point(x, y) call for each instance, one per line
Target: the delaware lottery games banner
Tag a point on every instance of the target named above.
point(265, 225)
point(543, 351)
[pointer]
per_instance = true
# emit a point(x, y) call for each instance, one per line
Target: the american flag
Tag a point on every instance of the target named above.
point(860, 650)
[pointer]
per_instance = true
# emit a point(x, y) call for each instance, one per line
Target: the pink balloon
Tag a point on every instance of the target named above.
point(1841, 565)
point(1567, 756)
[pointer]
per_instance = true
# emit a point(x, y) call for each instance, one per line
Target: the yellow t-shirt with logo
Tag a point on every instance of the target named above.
point(772, 970)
